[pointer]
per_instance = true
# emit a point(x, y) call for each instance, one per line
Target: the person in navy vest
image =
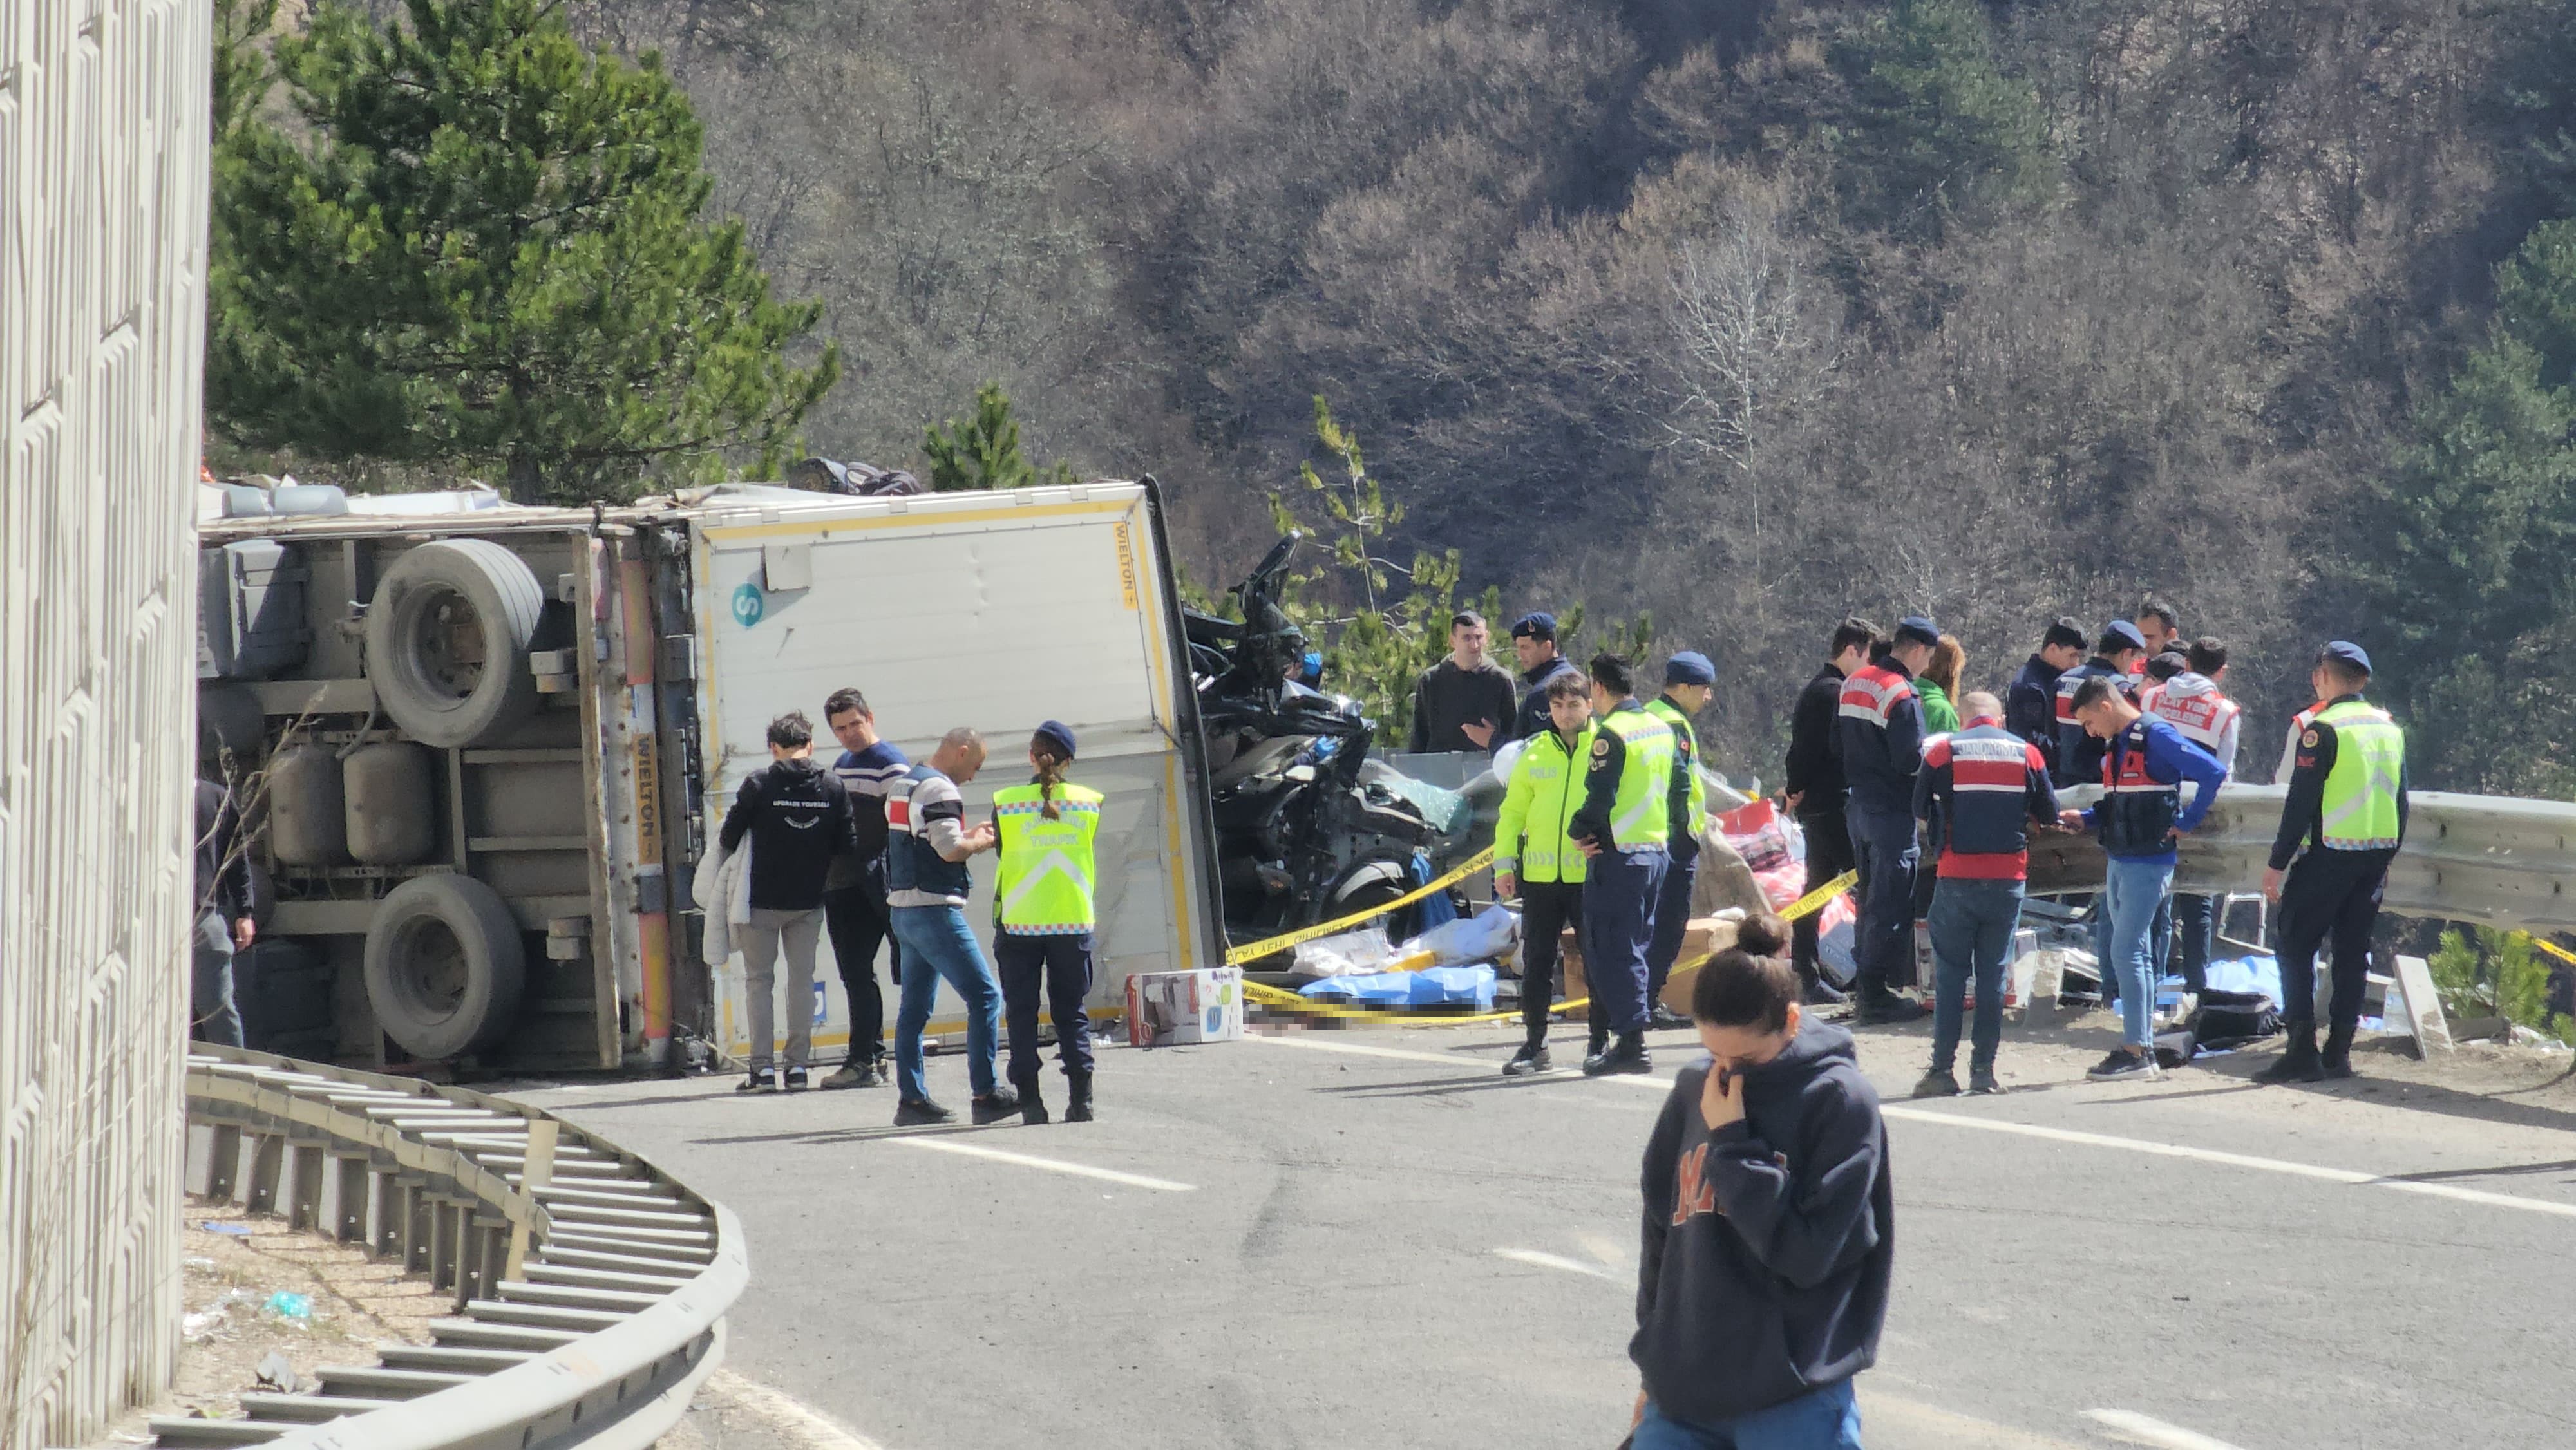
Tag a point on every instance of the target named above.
point(1878, 737)
point(1986, 786)
point(2140, 818)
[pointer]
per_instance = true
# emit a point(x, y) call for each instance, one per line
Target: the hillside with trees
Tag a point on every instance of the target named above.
point(1744, 315)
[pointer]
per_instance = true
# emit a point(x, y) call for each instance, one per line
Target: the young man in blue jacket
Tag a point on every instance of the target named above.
point(1769, 1223)
point(2030, 705)
point(2140, 818)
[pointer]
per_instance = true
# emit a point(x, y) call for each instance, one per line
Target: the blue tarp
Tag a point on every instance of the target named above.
point(2247, 974)
point(1431, 987)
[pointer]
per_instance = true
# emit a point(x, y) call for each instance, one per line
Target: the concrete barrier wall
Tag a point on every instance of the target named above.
point(102, 298)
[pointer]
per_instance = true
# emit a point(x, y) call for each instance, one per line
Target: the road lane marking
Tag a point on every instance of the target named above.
point(1662, 1084)
point(1052, 1165)
point(1553, 1261)
point(2233, 1160)
point(2147, 1430)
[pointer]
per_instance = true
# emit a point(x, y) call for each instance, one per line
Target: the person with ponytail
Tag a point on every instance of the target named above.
point(1043, 915)
point(1769, 1221)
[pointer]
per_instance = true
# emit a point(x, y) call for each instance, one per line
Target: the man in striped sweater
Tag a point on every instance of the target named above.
point(1986, 787)
point(854, 893)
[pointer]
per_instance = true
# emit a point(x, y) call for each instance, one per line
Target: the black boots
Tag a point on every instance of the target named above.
point(1532, 1058)
point(1628, 1054)
point(2337, 1058)
point(1033, 1108)
point(1077, 1109)
point(2299, 1061)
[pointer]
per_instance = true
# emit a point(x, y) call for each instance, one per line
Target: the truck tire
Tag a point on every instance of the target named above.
point(445, 966)
point(448, 635)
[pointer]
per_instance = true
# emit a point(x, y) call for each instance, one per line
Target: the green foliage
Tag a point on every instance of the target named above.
point(1375, 640)
point(984, 452)
point(472, 241)
point(1937, 127)
point(2477, 520)
point(2499, 974)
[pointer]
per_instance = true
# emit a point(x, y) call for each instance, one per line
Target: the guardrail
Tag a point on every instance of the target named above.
point(590, 1288)
point(2494, 859)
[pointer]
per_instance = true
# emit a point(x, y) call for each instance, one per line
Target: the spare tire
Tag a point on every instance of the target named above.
point(445, 966)
point(448, 635)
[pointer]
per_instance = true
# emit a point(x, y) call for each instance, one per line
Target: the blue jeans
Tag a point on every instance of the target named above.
point(1827, 1419)
point(1972, 932)
point(1883, 939)
point(2132, 892)
point(936, 937)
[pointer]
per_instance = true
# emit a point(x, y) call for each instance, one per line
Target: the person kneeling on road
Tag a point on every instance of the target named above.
point(1535, 860)
point(798, 820)
point(1985, 785)
point(1631, 797)
point(1768, 1223)
point(2141, 816)
point(927, 847)
point(1043, 914)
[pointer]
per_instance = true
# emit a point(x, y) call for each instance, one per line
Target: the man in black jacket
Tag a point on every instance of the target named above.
point(1534, 646)
point(2030, 705)
point(1815, 789)
point(1463, 703)
point(796, 815)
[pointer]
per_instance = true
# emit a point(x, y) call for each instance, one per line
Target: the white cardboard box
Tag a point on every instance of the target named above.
point(1173, 1009)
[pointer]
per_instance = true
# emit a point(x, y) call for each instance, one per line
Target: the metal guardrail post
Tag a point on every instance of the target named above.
point(554, 1345)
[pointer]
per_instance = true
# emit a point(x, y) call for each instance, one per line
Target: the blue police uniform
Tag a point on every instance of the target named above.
point(1878, 733)
point(1681, 848)
point(1623, 882)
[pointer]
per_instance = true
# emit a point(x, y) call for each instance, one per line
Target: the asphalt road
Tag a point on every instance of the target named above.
point(1368, 1238)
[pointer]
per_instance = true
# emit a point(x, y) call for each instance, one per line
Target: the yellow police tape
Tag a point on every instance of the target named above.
point(1807, 905)
point(2553, 948)
point(1257, 950)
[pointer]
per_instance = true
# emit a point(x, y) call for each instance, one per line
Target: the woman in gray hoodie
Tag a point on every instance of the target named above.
point(1768, 1224)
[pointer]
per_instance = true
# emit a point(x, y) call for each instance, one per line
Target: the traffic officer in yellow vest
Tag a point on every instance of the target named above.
point(1043, 912)
point(1687, 679)
point(1536, 860)
point(2347, 805)
point(1631, 794)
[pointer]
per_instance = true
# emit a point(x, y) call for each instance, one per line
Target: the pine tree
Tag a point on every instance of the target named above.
point(472, 241)
point(984, 451)
point(1937, 127)
point(2472, 577)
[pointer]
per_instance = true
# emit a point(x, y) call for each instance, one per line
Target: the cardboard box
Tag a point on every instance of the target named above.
point(1705, 936)
point(1173, 1009)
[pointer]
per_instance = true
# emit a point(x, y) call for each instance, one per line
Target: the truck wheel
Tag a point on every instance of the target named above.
point(447, 641)
point(445, 966)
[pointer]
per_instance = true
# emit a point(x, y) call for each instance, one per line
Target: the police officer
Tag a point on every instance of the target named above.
point(1687, 679)
point(1534, 858)
point(2119, 651)
point(1043, 915)
point(1878, 733)
point(1630, 795)
point(2347, 806)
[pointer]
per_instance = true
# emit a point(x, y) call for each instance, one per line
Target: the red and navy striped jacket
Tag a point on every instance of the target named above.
point(1985, 785)
point(1878, 736)
point(2079, 754)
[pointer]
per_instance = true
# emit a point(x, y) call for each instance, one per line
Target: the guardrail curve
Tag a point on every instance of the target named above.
point(590, 1287)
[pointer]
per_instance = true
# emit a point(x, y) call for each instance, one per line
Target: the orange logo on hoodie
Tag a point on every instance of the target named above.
point(1694, 1194)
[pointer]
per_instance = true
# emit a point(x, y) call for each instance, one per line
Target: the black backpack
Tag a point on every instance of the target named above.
point(2231, 1019)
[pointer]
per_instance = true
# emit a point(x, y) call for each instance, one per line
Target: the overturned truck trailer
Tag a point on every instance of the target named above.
point(483, 747)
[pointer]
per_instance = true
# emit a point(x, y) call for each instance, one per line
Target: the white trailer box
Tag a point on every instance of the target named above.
point(993, 610)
